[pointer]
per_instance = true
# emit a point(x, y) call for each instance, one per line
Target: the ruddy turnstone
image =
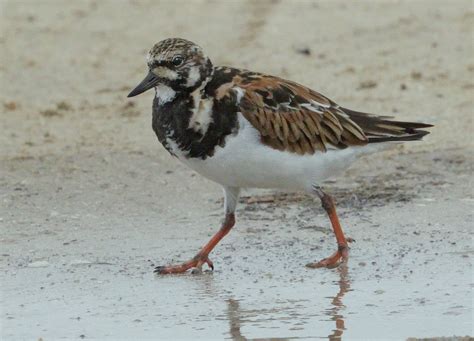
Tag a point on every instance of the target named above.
point(247, 129)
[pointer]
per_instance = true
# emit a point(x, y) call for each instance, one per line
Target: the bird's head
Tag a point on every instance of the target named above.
point(175, 63)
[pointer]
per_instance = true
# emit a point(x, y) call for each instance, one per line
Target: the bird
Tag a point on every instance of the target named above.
point(245, 129)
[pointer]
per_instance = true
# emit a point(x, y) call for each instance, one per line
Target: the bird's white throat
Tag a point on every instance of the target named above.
point(164, 93)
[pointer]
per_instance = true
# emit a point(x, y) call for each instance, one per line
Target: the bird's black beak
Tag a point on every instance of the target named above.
point(149, 82)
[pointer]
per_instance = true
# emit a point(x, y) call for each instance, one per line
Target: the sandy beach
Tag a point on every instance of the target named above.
point(90, 201)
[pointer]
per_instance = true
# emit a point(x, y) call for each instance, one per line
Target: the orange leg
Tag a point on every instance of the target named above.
point(203, 255)
point(342, 253)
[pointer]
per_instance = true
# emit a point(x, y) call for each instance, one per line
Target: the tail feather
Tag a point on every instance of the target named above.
point(383, 129)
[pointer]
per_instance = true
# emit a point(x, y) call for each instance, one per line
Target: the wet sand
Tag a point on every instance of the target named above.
point(90, 201)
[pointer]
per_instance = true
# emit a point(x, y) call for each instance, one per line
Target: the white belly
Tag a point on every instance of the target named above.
point(245, 162)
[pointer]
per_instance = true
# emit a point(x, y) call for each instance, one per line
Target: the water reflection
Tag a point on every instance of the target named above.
point(335, 312)
point(238, 317)
point(234, 314)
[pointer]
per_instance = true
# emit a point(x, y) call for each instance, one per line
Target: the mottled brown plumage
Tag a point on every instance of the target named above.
point(294, 118)
point(304, 123)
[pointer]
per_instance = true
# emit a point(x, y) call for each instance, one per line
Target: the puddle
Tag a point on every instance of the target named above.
point(237, 303)
point(409, 275)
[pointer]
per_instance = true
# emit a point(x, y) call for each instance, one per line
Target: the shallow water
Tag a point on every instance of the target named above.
point(85, 268)
point(260, 300)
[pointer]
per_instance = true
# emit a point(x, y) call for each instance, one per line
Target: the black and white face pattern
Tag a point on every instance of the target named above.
point(179, 64)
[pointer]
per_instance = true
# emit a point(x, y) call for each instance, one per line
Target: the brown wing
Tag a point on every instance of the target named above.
point(294, 118)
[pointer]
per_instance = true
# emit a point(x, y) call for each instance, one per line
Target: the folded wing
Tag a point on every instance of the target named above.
point(297, 119)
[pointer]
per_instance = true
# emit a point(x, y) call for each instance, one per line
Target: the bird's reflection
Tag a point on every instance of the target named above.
point(335, 312)
point(235, 318)
point(233, 313)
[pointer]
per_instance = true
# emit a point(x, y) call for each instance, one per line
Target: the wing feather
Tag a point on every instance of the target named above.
point(294, 118)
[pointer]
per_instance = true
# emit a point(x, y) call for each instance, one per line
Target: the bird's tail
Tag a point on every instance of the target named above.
point(383, 129)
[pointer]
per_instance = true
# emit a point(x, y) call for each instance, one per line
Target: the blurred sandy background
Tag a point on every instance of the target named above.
point(88, 198)
point(411, 58)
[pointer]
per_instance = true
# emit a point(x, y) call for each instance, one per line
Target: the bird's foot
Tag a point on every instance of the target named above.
point(336, 259)
point(195, 264)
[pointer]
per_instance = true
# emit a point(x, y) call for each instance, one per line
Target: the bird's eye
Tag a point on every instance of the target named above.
point(177, 60)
